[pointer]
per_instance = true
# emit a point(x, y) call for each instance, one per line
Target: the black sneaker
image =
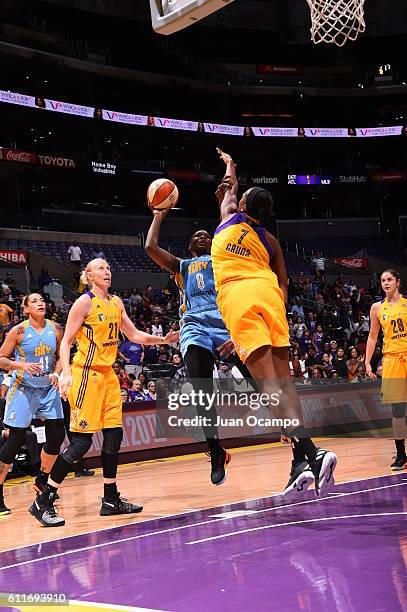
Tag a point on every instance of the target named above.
point(118, 506)
point(3, 508)
point(399, 463)
point(39, 487)
point(84, 472)
point(220, 459)
point(301, 477)
point(323, 468)
point(43, 510)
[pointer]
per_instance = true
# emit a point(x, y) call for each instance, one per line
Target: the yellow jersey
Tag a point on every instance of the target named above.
point(98, 337)
point(393, 319)
point(240, 251)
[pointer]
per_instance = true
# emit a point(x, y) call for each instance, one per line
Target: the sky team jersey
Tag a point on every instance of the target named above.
point(98, 337)
point(196, 285)
point(393, 319)
point(240, 251)
point(36, 347)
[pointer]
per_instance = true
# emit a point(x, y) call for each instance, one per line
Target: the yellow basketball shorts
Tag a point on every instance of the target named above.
point(94, 399)
point(254, 313)
point(394, 378)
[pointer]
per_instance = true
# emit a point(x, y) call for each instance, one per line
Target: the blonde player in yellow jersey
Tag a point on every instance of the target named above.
point(391, 316)
point(93, 389)
point(251, 281)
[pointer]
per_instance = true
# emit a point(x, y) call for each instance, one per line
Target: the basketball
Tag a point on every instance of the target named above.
point(162, 194)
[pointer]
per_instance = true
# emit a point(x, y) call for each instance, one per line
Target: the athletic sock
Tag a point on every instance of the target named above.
point(401, 448)
point(213, 444)
point(42, 477)
point(110, 492)
point(304, 448)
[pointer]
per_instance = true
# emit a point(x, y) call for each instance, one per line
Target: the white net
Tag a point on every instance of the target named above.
point(336, 21)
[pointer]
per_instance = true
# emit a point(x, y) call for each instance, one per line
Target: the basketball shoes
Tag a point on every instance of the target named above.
point(118, 506)
point(399, 463)
point(43, 510)
point(3, 508)
point(220, 459)
point(323, 468)
point(301, 477)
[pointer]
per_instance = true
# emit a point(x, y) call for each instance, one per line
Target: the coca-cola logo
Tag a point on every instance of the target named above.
point(23, 157)
point(355, 262)
point(56, 161)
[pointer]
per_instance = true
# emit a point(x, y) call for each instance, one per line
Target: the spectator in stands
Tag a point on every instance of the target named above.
point(132, 355)
point(176, 364)
point(297, 309)
point(334, 348)
point(65, 306)
point(225, 377)
point(318, 338)
point(150, 353)
point(157, 328)
point(75, 254)
point(316, 377)
point(98, 252)
point(43, 279)
point(122, 375)
point(326, 365)
point(151, 390)
point(353, 363)
point(11, 282)
point(305, 341)
point(124, 394)
point(319, 264)
point(136, 393)
point(311, 361)
point(134, 299)
point(142, 378)
point(163, 355)
point(311, 322)
point(148, 293)
point(14, 322)
point(339, 363)
point(299, 328)
point(5, 317)
point(376, 359)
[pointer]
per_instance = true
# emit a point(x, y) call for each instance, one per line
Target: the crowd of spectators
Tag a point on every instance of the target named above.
point(328, 323)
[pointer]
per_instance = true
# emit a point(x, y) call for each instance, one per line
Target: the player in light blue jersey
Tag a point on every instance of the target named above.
point(202, 331)
point(33, 392)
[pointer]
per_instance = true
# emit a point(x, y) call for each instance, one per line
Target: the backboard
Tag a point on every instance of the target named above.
point(169, 16)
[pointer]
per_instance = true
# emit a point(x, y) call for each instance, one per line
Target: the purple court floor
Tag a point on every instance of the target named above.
point(345, 553)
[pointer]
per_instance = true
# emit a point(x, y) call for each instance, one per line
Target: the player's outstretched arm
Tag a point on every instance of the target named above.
point(226, 193)
point(139, 337)
point(14, 338)
point(160, 256)
point(372, 339)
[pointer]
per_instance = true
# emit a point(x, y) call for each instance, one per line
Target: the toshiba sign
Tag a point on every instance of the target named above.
point(56, 161)
point(15, 257)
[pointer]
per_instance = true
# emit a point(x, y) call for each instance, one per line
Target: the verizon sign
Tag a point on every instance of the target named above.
point(352, 262)
point(15, 257)
point(56, 161)
point(14, 155)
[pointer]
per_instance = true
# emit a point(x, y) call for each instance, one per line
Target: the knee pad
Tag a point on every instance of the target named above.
point(112, 438)
point(81, 443)
point(14, 442)
point(55, 435)
point(399, 410)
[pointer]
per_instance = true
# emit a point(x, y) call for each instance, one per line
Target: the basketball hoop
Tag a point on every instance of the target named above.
point(336, 21)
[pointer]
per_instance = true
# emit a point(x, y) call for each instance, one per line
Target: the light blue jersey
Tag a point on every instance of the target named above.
point(36, 347)
point(200, 320)
point(30, 396)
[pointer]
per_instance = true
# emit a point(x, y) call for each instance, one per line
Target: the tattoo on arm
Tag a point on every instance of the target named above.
point(4, 468)
point(20, 330)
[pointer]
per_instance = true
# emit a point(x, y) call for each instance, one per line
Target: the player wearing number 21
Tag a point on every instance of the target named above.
point(93, 389)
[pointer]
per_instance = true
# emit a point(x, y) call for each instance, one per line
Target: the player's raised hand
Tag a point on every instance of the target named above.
point(64, 383)
point(161, 214)
point(33, 369)
point(225, 157)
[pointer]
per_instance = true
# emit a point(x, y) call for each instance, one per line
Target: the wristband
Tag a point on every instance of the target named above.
point(54, 374)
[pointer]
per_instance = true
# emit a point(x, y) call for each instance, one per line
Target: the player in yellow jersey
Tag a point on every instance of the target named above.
point(251, 281)
point(93, 389)
point(390, 315)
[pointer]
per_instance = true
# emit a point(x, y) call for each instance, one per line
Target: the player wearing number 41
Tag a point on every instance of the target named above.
point(391, 316)
point(33, 392)
point(93, 389)
point(251, 281)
